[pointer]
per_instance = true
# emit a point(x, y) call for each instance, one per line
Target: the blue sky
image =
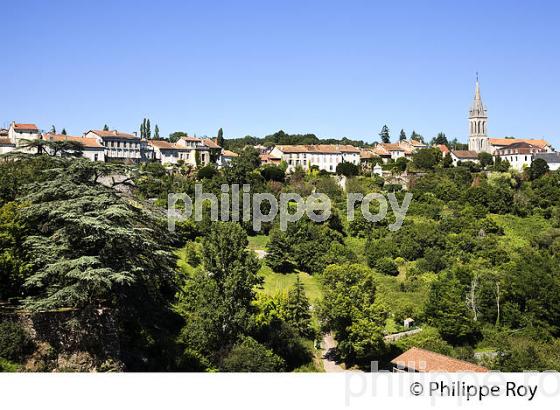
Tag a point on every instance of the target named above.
point(336, 69)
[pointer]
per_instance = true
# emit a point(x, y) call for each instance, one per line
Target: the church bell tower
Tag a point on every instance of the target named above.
point(478, 120)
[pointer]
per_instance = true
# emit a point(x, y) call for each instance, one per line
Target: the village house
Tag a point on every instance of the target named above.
point(121, 146)
point(323, 156)
point(189, 150)
point(91, 148)
point(266, 159)
point(18, 135)
point(463, 156)
point(226, 157)
point(394, 151)
point(520, 154)
point(551, 158)
point(418, 360)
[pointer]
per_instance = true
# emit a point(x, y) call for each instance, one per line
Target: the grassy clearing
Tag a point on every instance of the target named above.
point(275, 283)
point(258, 242)
point(182, 263)
point(519, 231)
point(357, 245)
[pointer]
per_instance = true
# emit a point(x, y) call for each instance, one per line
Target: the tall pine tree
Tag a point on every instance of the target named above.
point(402, 136)
point(220, 137)
point(156, 132)
point(384, 134)
point(297, 309)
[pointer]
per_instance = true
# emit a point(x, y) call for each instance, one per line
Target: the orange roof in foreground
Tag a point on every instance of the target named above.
point(422, 360)
point(86, 142)
point(508, 141)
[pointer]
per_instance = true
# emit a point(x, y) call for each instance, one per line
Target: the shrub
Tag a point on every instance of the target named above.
point(206, 172)
point(193, 252)
point(14, 342)
point(273, 173)
point(387, 266)
point(347, 169)
point(250, 356)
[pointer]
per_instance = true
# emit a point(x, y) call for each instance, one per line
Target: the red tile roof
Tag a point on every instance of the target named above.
point(367, 154)
point(86, 142)
point(422, 360)
point(114, 134)
point(193, 139)
point(443, 148)
point(318, 149)
point(166, 145)
point(209, 143)
point(519, 148)
point(25, 127)
point(162, 144)
point(417, 143)
point(508, 141)
point(465, 154)
point(229, 154)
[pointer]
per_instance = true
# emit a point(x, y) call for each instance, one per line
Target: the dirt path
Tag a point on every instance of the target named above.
point(261, 254)
point(328, 348)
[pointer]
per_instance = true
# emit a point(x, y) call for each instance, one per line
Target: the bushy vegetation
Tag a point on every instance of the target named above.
point(475, 264)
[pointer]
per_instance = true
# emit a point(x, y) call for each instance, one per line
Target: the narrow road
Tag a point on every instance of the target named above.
point(328, 347)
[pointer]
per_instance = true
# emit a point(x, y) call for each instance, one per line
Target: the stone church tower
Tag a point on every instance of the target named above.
point(478, 120)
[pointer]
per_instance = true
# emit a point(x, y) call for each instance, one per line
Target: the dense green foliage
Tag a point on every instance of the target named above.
point(475, 264)
point(14, 342)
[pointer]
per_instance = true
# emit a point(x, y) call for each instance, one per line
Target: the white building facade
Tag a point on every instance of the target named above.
point(323, 156)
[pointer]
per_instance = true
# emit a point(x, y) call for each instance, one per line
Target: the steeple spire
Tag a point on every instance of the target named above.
point(477, 90)
point(478, 119)
point(477, 108)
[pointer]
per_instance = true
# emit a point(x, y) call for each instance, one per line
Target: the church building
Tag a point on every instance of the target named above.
point(479, 141)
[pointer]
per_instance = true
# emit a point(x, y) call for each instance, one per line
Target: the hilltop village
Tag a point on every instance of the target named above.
point(113, 145)
point(93, 279)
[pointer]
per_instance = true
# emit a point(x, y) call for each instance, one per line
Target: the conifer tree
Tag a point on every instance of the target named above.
point(148, 131)
point(105, 127)
point(220, 137)
point(156, 132)
point(143, 129)
point(402, 136)
point(297, 309)
point(384, 134)
point(64, 131)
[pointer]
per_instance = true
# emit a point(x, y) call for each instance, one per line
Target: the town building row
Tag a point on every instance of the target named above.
point(113, 145)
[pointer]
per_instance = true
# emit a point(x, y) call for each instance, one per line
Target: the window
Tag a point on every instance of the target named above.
point(95, 157)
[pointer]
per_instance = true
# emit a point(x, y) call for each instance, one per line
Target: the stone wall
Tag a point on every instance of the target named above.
point(70, 339)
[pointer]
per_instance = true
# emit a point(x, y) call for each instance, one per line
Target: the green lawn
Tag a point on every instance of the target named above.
point(258, 242)
point(357, 245)
point(275, 283)
point(519, 231)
